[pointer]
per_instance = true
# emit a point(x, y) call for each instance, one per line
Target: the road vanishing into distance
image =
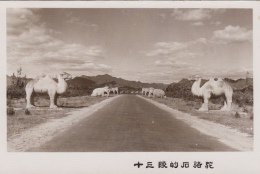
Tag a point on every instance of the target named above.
point(131, 124)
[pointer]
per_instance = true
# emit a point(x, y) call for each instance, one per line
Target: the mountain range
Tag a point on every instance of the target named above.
point(90, 82)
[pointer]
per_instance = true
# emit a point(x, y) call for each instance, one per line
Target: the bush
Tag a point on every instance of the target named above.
point(10, 111)
point(237, 115)
point(27, 112)
point(15, 92)
point(9, 103)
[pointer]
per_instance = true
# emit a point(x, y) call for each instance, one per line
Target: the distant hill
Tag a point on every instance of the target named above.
point(107, 79)
point(239, 83)
point(81, 83)
point(235, 84)
point(90, 82)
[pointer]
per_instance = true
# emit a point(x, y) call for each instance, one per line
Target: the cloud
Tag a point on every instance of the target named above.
point(73, 20)
point(163, 15)
point(197, 24)
point(169, 48)
point(29, 41)
point(191, 15)
point(194, 14)
point(233, 34)
point(215, 23)
point(90, 67)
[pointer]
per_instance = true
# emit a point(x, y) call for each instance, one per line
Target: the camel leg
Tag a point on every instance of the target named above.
point(205, 105)
point(28, 98)
point(229, 101)
point(227, 105)
point(32, 99)
point(56, 99)
point(52, 97)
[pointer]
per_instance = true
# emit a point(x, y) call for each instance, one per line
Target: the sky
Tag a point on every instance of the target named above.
point(147, 45)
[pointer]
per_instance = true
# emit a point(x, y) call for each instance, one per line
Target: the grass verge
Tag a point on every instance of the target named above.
point(21, 120)
point(243, 123)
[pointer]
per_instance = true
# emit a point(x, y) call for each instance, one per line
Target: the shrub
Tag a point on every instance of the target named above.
point(9, 103)
point(237, 115)
point(27, 112)
point(15, 92)
point(10, 111)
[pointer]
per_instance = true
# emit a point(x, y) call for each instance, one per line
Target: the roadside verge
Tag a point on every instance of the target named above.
point(226, 135)
point(42, 133)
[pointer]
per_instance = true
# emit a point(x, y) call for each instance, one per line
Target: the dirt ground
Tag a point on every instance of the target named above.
point(237, 119)
point(21, 121)
point(30, 130)
point(40, 132)
point(229, 136)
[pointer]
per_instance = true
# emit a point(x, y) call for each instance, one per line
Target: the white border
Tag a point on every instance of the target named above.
point(226, 162)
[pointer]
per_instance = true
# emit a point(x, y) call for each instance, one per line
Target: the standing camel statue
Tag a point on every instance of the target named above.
point(212, 87)
point(47, 85)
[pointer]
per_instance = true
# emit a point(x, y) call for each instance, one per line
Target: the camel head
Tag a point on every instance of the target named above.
point(65, 76)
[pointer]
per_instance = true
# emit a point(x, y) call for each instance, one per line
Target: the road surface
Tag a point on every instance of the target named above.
point(131, 124)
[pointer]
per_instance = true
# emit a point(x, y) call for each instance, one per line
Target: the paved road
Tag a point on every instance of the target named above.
point(131, 124)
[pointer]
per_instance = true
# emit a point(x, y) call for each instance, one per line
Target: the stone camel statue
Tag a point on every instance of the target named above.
point(212, 87)
point(47, 85)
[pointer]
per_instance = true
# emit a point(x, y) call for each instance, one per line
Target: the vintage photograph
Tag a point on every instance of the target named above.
point(129, 80)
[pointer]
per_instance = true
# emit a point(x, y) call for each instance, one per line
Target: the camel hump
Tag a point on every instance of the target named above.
point(31, 83)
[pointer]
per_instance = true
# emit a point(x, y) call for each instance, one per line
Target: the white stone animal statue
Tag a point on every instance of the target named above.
point(114, 90)
point(100, 92)
point(158, 93)
point(150, 92)
point(47, 85)
point(212, 87)
point(145, 91)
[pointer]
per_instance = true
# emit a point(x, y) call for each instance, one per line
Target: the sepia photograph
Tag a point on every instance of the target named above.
point(135, 80)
